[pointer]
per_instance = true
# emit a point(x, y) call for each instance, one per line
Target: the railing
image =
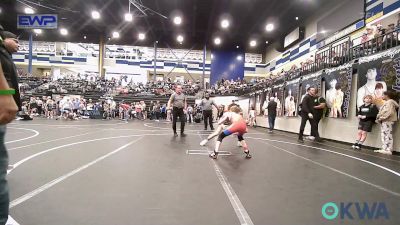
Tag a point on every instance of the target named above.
point(345, 51)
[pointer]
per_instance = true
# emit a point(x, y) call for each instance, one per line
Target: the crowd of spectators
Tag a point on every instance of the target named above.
point(239, 86)
point(373, 37)
point(75, 108)
point(104, 87)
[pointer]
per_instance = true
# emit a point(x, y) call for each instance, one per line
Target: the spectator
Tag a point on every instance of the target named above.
point(9, 105)
point(272, 110)
point(320, 110)
point(366, 114)
point(308, 114)
point(386, 117)
point(190, 114)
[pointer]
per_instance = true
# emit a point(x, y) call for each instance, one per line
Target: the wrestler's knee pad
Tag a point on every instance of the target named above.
point(221, 136)
point(240, 137)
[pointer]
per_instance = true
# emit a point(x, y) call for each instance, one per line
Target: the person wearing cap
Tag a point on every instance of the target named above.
point(10, 103)
point(207, 106)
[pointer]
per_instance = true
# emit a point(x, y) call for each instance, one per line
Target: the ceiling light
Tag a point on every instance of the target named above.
point(142, 36)
point(179, 38)
point(95, 15)
point(266, 42)
point(217, 41)
point(239, 58)
point(37, 31)
point(237, 46)
point(270, 27)
point(29, 10)
point(63, 31)
point(323, 31)
point(1, 10)
point(115, 34)
point(212, 56)
point(109, 38)
point(297, 18)
point(128, 17)
point(178, 20)
point(225, 23)
point(84, 37)
point(253, 43)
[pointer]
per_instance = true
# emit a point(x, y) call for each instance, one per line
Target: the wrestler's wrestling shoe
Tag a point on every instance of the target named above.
point(213, 155)
point(203, 142)
point(248, 155)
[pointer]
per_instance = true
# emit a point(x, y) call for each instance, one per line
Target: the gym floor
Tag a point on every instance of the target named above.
point(95, 172)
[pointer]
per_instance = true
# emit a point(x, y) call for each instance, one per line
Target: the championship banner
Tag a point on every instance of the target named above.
point(257, 105)
point(277, 93)
point(263, 95)
point(311, 80)
point(291, 97)
point(338, 90)
point(267, 93)
point(377, 74)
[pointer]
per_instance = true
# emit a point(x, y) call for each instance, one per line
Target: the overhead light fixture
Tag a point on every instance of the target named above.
point(323, 31)
point(297, 18)
point(225, 23)
point(141, 36)
point(179, 38)
point(270, 27)
point(266, 42)
point(217, 41)
point(84, 37)
point(178, 20)
point(63, 31)
point(239, 58)
point(237, 46)
point(95, 15)
point(29, 10)
point(253, 43)
point(115, 34)
point(212, 56)
point(37, 31)
point(128, 17)
point(1, 10)
point(109, 38)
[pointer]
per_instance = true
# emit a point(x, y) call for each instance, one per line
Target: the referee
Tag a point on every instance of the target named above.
point(179, 104)
point(207, 105)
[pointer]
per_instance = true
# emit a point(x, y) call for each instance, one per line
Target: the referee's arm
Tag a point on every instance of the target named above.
point(170, 101)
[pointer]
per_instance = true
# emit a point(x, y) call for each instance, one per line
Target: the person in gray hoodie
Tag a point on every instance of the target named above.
point(387, 116)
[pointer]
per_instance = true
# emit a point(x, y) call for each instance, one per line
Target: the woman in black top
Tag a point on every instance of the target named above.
point(367, 115)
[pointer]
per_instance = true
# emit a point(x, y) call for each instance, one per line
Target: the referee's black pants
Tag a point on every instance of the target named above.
point(208, 118)
point(178, 112)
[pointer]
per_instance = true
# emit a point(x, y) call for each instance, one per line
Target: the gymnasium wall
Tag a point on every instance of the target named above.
point(344, 130)
point(276, 61)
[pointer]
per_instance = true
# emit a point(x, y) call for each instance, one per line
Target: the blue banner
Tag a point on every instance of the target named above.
point(227, 65)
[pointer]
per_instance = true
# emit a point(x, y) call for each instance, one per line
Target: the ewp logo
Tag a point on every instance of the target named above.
point(355, 210)
point(38, 21)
